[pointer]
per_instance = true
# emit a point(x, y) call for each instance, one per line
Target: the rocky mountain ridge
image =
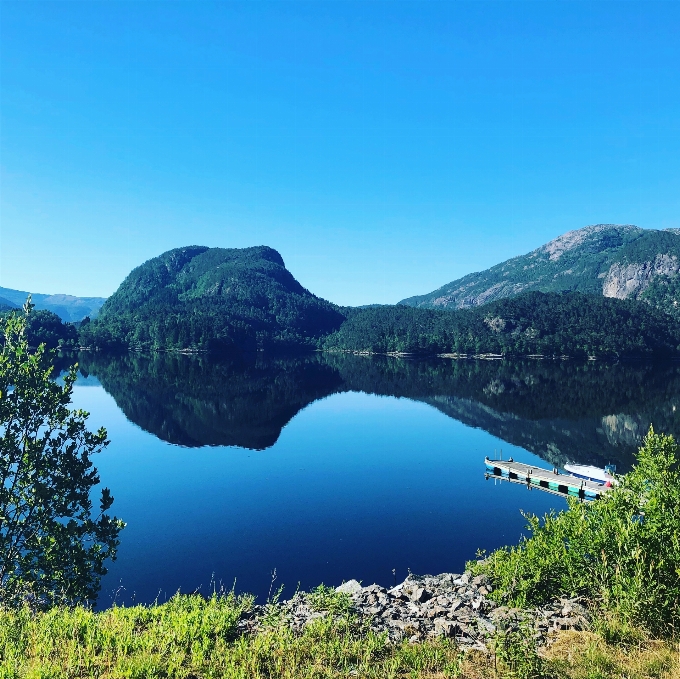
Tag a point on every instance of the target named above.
point(621, 261)
point(68, 307)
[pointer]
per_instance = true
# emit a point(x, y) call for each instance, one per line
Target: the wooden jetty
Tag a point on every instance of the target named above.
point(551, 481)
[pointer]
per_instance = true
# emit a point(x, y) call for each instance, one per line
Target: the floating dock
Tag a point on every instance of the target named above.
point(551, 481)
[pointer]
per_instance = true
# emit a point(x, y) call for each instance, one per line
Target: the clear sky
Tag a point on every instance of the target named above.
point(384, 148)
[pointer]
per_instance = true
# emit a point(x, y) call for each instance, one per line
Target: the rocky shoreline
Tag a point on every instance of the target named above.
point(450, 605)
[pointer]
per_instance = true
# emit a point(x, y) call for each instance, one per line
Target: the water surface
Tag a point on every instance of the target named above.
point(330, 467)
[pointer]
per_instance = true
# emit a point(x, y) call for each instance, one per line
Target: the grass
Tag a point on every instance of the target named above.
point(190, 637)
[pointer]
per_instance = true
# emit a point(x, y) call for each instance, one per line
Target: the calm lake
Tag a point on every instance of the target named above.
point(328, 467)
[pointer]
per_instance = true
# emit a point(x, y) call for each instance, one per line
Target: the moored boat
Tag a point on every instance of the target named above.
point(591, 473)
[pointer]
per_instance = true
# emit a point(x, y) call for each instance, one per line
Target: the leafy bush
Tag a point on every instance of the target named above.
point(514, 649)
point(53, 543)
point(622, 552)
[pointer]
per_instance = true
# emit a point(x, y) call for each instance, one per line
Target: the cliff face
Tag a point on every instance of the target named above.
point(631, 280)
point(619, 261)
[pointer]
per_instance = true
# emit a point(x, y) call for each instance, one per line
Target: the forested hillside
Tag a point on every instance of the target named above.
point(214, 299)
point(625, 262)
point(45, 327)
point(245, 300)
point(570, 324)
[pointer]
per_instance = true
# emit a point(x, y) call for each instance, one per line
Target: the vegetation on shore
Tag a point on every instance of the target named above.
point(621, 553)
point(190, 637)
point(44, 327)
point(53, 544)
point(552, 324)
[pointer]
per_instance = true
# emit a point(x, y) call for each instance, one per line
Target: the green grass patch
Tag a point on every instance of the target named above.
point(191, 637)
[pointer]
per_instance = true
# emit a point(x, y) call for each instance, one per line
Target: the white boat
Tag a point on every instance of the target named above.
point(591, 473)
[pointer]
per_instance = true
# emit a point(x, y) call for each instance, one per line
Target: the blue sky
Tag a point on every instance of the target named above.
point(384, 148)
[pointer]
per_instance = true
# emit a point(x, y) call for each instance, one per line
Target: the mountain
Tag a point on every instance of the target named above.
point(623, 262)
point(550, 324)
point(217, 299)
point(67, 307)
point(6, 305)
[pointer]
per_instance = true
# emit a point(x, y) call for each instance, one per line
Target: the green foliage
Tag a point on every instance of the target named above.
point(232, 300)
point(45, 327)
point(324, 598)
point(664, 293)
point(515, 654)
point(212, 299)
point(190, 637)
point(570, 324)
point(52, 545)
point(648, 245)
point(622, 551)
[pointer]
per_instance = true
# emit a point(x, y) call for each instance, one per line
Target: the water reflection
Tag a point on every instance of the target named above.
point(592, 413)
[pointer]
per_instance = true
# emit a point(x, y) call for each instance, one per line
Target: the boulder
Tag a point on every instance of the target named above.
point(420, 595)
point(350, 587)
point(445, 628)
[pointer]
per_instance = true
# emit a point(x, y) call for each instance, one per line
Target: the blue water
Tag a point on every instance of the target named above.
point(355, 486)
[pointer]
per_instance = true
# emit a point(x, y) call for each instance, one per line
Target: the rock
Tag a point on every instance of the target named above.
point(455, 604)
point(420, 595)
point(374, 589)
point(349, 587)
point(486, 625)
point(445, 628)
point(446, 604)
point(437, 612)
point(567, 623)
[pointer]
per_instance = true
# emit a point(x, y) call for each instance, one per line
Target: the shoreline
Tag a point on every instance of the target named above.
point(450, 605)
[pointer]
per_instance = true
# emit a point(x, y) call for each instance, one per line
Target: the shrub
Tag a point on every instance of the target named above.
point(622, 551)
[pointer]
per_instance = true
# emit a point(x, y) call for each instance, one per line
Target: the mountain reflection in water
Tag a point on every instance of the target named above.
point(563, 411)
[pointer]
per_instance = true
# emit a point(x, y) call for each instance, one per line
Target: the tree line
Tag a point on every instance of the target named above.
point(550, 324)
